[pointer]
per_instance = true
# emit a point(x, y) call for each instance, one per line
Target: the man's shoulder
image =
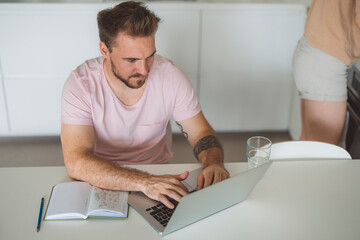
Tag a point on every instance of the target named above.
point(166, 67)
point(86, 73)
point(167, 74)
point(89, 67)
point(163, 63)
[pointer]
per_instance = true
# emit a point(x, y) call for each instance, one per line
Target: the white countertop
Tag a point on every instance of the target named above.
point(294, 200)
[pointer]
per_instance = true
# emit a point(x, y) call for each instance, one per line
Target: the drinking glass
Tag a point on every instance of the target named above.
point(258, 150)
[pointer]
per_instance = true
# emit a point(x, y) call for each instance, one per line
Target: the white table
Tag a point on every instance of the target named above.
point(294, 200)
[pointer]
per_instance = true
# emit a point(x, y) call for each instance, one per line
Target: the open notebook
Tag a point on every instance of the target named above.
point(80, 200)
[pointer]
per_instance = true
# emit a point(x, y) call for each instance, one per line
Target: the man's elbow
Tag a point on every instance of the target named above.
point(73, 168)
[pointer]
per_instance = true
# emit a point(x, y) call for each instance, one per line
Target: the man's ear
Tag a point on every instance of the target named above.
point(104, 50)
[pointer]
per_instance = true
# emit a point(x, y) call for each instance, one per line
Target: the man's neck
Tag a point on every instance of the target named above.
point(126, 95)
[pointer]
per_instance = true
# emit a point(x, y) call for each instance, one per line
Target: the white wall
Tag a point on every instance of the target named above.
point(39, 47)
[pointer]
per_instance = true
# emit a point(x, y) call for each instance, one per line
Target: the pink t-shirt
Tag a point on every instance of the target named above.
point(129, 134)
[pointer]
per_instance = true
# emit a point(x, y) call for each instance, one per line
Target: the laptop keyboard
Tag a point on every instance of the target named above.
point(161, 213)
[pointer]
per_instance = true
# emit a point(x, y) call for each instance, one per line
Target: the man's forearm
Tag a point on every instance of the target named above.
point(208, 150)
point(104, 174)
point(82, 164)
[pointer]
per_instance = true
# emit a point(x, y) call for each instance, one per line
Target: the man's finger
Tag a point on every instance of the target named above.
point(200, 181)
point(181, 190)
point(176, 178)
point(183, 176)
point(174, 195)
point(179, 187)
point(208, 179)
point(226, 175)
point(217, 177)
point(164, 200)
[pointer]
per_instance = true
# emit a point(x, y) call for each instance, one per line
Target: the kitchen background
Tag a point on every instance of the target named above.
point(237, 55)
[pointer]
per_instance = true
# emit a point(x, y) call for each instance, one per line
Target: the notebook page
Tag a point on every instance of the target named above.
point(68, 200)
point(106, 202)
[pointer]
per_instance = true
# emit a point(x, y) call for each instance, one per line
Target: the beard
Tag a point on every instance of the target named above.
point(138, 84)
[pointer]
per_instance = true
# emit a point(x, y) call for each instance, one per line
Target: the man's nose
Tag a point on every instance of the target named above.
point(142, 68)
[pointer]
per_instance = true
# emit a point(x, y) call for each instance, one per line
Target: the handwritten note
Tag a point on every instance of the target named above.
point(108, 199)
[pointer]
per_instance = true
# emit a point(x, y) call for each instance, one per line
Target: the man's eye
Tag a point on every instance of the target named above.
point(131, 60)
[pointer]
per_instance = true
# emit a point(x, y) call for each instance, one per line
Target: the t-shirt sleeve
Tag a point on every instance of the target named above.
point(75, 102)
point(186, 104)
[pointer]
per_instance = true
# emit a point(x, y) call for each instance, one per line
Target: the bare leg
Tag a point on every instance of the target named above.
point(322, 121)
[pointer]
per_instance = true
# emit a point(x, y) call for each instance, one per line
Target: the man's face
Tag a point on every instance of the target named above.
point(131, 59)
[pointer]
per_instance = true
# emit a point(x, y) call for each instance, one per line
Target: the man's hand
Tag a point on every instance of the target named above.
point(163, 186)
point(212, 174)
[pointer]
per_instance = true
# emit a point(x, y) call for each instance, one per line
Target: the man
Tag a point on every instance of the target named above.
point(115, 110)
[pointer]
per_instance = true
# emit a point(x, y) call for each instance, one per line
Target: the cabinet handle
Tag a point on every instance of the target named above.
point(2, 82)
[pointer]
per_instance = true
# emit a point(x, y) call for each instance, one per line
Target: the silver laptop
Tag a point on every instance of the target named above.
point(198, 204)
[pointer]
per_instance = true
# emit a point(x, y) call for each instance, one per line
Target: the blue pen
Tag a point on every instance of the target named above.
point(40, 214)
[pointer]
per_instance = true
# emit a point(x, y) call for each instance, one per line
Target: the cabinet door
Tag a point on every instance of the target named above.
point(246, 73)
point(39, 46)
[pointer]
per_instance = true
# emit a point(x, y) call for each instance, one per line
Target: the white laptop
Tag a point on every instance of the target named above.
point(198, 204)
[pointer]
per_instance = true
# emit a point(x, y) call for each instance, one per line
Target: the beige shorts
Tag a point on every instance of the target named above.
point(319, 76)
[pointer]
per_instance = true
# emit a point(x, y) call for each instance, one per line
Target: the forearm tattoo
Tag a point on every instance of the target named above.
point(182, 130)
point(205, 143)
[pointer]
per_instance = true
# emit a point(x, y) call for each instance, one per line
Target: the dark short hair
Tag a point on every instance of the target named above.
point(132, 18)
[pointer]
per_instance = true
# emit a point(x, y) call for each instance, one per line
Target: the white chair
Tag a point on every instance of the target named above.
point(307, 150)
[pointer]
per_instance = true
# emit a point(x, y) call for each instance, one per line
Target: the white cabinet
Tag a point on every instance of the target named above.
point(34, 105)
point(39, 46)
point(246, 74)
